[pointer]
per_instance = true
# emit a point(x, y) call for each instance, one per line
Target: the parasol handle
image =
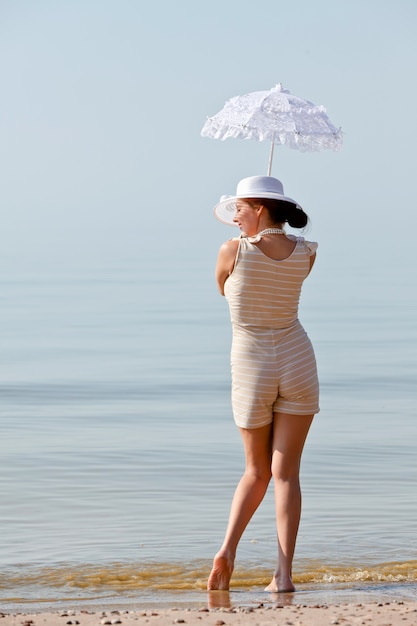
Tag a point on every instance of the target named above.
point(271, 154)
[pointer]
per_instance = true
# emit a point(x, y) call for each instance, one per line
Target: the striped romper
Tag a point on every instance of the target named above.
point(272, 359)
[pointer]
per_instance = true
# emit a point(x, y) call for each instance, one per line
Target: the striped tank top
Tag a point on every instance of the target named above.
point(265, 293)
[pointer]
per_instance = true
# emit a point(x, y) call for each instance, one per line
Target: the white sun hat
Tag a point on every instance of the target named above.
point(251, 187)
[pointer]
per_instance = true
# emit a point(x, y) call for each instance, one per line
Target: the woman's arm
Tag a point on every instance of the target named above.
point(226, 262)
point(312, 260)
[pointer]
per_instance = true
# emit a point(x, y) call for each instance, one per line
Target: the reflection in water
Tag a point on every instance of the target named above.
point(228, 600)
point(283, 598)
point(218, 599)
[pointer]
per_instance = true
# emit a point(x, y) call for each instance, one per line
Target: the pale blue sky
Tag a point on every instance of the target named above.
point(103, 102)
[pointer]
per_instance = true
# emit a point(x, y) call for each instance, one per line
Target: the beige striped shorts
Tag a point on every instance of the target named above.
point(273, 370)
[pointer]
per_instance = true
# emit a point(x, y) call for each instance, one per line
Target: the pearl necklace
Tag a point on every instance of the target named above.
point(267, 231)
point(272, 231)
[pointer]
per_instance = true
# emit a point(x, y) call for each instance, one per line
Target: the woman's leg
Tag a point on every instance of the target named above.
point(248, 496)
point(289, 435)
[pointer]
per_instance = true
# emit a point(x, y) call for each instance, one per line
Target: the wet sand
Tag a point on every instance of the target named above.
point(345, 614)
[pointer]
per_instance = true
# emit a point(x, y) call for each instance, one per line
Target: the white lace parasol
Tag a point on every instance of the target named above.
point(276, 116)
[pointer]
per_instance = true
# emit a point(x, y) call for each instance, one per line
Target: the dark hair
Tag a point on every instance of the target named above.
point(281, 211)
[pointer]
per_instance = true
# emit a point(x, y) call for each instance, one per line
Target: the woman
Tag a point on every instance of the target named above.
point(274, 375)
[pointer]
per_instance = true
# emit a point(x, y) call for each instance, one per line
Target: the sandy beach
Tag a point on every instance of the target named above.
point(350, 614)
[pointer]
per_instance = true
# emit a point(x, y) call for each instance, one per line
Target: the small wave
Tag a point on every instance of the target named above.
point(95, 581)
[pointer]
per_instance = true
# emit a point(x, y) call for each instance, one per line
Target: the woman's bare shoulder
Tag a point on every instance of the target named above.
point(231, 245)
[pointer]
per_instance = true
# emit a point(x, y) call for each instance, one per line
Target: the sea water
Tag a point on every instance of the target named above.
point(119, 455)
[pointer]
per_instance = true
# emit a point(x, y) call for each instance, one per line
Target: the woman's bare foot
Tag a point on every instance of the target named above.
point(220, 574)
point(280, 585)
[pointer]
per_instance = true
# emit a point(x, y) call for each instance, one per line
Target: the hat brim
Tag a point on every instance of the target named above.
point(225, 210)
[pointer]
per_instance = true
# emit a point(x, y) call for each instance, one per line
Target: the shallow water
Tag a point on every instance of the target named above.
point(119, 455)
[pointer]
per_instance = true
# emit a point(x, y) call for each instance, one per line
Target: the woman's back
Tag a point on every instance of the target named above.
point(264, 292)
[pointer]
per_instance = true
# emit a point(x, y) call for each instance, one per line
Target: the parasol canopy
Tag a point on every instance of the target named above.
point(276, 116)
